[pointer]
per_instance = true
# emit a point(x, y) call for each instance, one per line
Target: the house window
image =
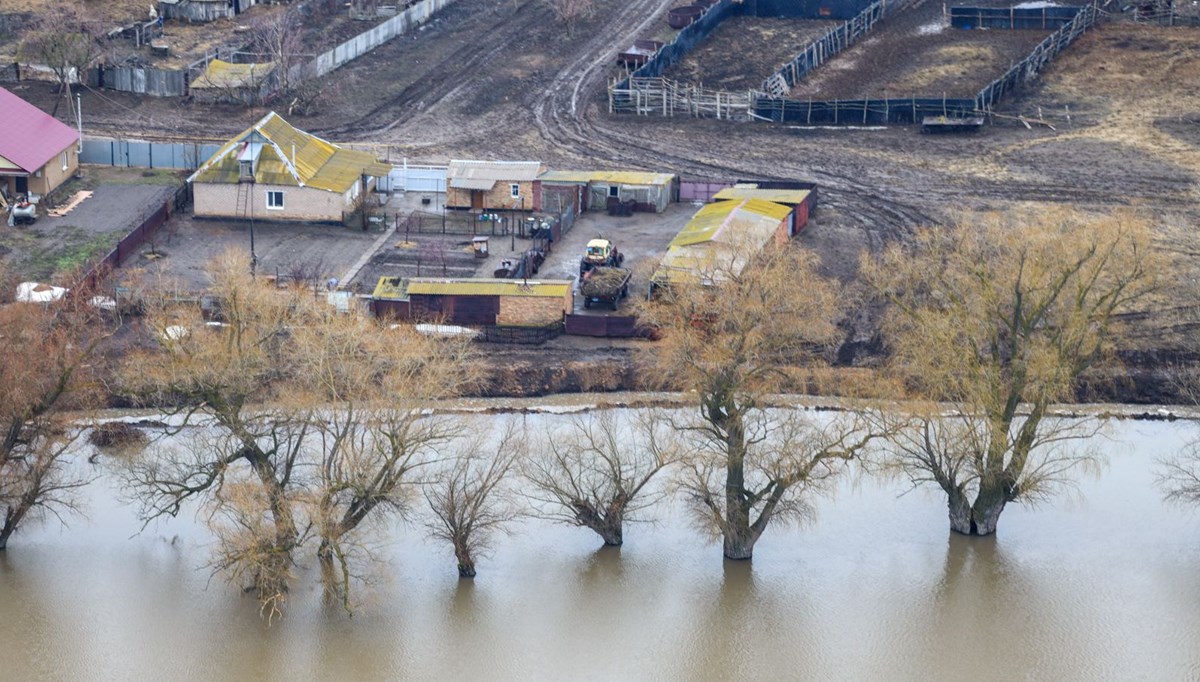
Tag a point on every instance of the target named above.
point(515, 189)
point(275, 200)
point(614, 191)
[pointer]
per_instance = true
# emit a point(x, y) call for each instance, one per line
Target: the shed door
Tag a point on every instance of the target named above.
point(476, 200)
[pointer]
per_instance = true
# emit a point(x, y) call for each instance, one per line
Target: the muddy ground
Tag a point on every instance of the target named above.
point(1123, 102)
point(916, 53)
point(743, 51)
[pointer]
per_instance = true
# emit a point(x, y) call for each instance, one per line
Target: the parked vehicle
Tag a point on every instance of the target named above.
point(600, 253)
point(605, 285)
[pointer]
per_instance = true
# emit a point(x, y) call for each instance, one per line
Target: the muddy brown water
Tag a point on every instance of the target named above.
point(1102, 584)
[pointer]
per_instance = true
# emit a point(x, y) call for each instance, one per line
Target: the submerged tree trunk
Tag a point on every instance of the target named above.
point(979, 518)
point(466, 563)
point(612, 535)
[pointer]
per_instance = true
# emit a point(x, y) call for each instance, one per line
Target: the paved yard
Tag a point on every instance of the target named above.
point(52, 247)
point(317, 251)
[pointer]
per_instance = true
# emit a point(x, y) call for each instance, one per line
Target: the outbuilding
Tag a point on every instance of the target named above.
point(272, 171)
point(37, 151)
point(486, 302)
point(493, 185)
point(721, 239)
point(802, 201)
point(649, 192)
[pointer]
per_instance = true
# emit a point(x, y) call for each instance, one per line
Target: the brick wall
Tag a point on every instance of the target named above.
point(532, 310)
point(299, 203)
point(499, 197)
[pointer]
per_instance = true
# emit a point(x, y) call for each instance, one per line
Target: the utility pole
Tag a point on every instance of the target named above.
point(79, 121)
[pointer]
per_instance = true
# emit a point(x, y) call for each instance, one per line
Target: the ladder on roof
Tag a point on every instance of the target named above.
point(245, 211)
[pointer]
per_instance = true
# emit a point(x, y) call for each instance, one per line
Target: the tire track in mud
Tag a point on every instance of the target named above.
point(564, 121)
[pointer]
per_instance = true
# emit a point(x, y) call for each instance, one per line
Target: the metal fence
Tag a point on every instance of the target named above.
point(145, 154)
point(140, 80)
point(860, 112)
point(1036, 18)
point(685, 40)
point(364, 42)
point(144, 232)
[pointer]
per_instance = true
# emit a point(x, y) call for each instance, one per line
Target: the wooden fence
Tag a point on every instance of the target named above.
point(822, 49)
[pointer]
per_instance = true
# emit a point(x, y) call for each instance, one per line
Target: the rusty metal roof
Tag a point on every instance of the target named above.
point(288, 156)
point(488, 287)
point(611, 177)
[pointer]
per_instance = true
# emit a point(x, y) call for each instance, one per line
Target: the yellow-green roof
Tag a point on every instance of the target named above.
point(780, 196)
point(289, 157)
point(713, 218)
point(223, 75)
point(487, 287)
point(720, 237)
point(390, 287)
point(613, 177)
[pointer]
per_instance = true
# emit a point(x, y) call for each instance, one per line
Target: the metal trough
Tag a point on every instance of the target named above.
point(682, 17)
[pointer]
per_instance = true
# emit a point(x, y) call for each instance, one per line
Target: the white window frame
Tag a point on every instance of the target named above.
point(271, 207)
point(514, 190)
point(614, 191)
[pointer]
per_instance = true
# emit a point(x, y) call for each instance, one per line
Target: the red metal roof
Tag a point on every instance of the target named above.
point(29, 137)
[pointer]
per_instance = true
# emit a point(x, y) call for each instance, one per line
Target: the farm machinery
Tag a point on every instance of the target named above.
point(600, 253)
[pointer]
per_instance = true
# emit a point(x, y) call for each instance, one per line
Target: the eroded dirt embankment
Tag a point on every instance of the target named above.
point(1144, 378)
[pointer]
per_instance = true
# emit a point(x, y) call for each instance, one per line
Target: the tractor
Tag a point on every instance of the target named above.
point(600, 253)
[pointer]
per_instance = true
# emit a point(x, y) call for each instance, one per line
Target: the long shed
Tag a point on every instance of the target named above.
point(650, 192)
point(486, 302)
point(801, 201)
point(721, 239)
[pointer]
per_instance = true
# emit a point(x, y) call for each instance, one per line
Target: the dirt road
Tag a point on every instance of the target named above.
point(501, 80)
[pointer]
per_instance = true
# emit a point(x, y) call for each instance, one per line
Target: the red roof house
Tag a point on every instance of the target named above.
point(37, 151)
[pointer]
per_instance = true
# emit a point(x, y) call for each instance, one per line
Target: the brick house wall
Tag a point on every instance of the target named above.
point(299, 203)
point(533, 310)
point(497, 198)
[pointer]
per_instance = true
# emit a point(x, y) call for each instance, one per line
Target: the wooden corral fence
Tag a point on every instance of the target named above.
point(1027, 69)
point(822, 49)
point(665, 97)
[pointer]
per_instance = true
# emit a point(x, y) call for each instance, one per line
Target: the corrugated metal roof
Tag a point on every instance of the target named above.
point(222, 75)
point(290, 157)
point(29, 137)
point(496, 171)
point(792, 197)
point(720, 237)
point(391, 288)
point(612, 177)
point(487, 287)
point(468, 183)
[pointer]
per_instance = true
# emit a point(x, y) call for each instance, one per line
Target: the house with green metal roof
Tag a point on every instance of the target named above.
point(273, 171)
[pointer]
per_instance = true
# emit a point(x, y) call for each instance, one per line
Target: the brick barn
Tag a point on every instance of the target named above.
point(493, 185)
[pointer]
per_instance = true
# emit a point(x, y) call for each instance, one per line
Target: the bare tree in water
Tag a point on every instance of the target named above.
point(594, 472)
point(728, 326)
point(48, 377)
point(296, 424)
point(469, 500)
point(999, 316)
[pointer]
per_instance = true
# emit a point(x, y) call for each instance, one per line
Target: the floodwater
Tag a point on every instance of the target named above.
point(1100, 585)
